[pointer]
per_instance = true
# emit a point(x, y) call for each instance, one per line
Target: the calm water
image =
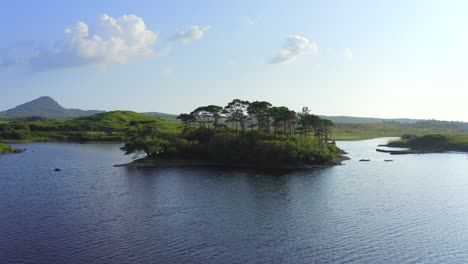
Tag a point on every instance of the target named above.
point(412, 210)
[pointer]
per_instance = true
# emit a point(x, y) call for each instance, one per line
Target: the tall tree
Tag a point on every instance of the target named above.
point(304, 120)
point(290, 119)
point(316, 124)
point(236, 112)
point(208, 114)
point(143, 137)
point(327, 128)
point(260, 111)
point(283, 119)
point(187, 120)
point(215, 112)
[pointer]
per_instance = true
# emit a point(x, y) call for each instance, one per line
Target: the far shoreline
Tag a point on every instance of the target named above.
point(427, 144)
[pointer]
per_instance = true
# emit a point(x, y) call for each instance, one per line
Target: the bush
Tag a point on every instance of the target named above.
point(15, 134)
point(202, 134)
point(408, 136)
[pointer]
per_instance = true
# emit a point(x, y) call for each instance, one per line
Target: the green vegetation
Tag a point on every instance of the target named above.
point(432, 143)
point(365, 131)
point(4, 148)
point(108, 126)
point(7, 149)
point(241, 133)
point(238, 115)
point(162, 115)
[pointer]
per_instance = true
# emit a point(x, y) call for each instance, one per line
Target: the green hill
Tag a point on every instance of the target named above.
point(114, 121)
point(368, 120)
point(108, 126)
point(162, 115)
point(45, 106)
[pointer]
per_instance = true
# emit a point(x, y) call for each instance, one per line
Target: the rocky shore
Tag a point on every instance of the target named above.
point(11, 151)
point(173, 163)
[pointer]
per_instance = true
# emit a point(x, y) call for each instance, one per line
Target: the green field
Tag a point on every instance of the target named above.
point(367, 131)
point(6, 149)
point(109, 126)
point(434, 143)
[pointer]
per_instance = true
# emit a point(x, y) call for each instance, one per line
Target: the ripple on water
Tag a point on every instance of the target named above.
point(414, 210)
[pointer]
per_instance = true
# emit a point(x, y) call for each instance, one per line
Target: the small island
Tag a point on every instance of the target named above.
point(240, 135)
point(7, 149)
point(434, 143)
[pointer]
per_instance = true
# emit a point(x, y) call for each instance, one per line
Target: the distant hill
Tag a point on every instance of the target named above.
point(45, 106)
point(369, 120)
point(115, 121)
point(107, 126)
point(162, 115)
point(437, 126)
point(356, 120)
point(336, 119)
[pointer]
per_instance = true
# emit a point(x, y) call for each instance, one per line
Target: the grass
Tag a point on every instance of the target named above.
point(108, 126)
point(4, 148)
point(105, 122)
point(366, 131)
point(434, 143)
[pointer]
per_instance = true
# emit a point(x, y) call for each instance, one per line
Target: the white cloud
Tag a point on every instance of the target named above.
point(164, 52)
point(348, 54)
point(167, 71)
point(248, 21)
point(191, 34)
point(109, 41)
point(294, 46)
point(11, 59)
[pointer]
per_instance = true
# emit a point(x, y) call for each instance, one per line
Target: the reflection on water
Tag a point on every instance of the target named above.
point(414, 209)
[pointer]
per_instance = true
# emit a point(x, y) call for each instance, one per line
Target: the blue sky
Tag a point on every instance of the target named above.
point(359, 58)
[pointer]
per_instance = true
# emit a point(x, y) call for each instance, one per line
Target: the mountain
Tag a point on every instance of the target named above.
point(45, 106)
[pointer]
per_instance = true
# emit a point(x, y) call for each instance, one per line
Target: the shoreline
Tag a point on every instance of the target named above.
point(181, 163)
point(406, 152)
point(57, 141)
point(414, 151)
point(12, 151)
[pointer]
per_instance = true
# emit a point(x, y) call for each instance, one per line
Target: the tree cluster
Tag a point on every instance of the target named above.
point(14, 131)
point(241, 115)
point(241, 132)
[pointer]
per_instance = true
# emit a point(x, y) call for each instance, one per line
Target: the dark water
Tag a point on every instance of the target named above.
point(412, 210)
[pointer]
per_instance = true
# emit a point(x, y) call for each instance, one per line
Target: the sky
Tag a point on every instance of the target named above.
point(387, 59)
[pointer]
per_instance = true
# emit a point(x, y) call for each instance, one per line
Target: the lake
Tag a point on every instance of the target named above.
point(411, 210)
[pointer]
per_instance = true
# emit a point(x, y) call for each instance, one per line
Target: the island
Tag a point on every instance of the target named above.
point(433, 143)
point(7, 149)
point(240, 135)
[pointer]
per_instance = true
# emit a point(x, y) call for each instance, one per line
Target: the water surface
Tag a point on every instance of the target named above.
point(411, 210)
